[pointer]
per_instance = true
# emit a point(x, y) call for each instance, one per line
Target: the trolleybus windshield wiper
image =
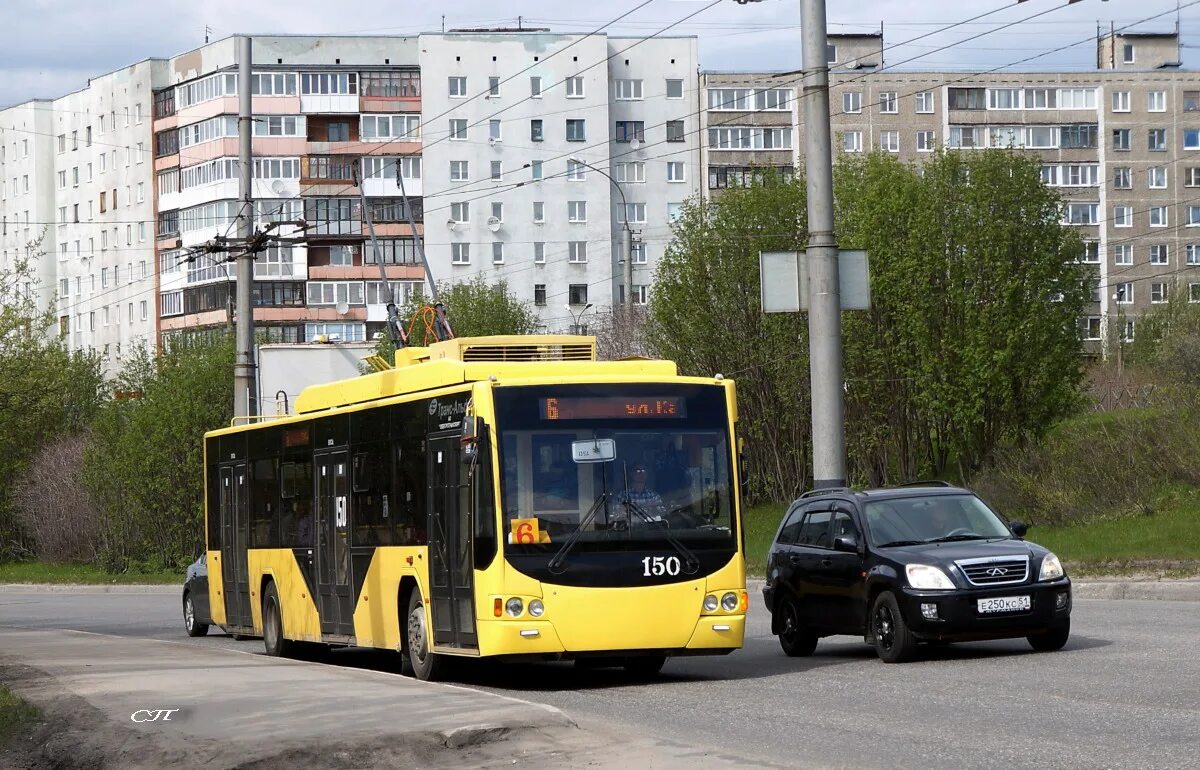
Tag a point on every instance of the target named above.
point(691, 562)
point(558, 564)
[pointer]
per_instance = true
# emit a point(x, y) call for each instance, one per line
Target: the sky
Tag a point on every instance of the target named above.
point(51, 47)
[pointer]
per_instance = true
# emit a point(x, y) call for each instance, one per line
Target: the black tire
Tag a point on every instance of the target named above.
point(1051, 640)
point(426, 666)
point(273, 640)
point(189, 618)
point(796, 641)
point(644, 667)
point(894, 642)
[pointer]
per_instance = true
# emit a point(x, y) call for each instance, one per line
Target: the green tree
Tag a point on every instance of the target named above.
point(46, 391)
point(144, 466)
point(1167, 342)
point(971, 338)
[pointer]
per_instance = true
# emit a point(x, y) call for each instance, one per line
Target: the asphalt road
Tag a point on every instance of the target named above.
point(1125, 692)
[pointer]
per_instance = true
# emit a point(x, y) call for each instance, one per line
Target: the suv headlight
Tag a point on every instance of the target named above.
point(1052, 568)
point(928, 577)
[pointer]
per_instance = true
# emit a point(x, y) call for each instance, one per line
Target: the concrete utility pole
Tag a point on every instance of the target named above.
point(626, 233)
point(244, 401)
point(824, 301)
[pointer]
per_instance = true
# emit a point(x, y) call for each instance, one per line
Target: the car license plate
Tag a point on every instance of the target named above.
point(1004, 604)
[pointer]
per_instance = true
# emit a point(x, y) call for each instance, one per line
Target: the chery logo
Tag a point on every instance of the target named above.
point(997, 571)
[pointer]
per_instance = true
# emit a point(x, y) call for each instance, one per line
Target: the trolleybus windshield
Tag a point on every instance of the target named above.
point(614, 467)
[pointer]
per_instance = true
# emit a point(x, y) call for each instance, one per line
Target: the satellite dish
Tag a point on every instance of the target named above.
point(493, 141)
point(278, 187)
point(634, 143)
point(342, 307)
point(493, 224)
point(450, 223)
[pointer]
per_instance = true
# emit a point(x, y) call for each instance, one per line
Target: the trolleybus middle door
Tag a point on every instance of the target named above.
point(234, 511)
point(334, 590)
point(451, 567)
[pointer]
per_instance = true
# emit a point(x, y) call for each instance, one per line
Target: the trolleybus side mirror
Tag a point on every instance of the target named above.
point(743, 477)
point(472, 430)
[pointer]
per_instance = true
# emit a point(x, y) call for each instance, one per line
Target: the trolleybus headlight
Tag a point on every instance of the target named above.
point(710, 603)
point(730, 601)
point(536, 608)
point(514, 607)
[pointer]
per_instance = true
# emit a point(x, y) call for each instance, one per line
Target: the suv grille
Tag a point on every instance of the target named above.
point(995, 570)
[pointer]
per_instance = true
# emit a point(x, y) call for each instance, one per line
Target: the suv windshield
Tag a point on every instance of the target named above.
point(935, 518)
point(614, 467)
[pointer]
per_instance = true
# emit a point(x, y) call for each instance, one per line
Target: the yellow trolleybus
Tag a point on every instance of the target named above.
point(496, 496)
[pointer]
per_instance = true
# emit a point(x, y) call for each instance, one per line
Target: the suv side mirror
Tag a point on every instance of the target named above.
point(846, 543)
point(1019, 528)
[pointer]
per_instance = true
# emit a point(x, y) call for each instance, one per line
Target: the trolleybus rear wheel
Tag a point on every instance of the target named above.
point(272, 616)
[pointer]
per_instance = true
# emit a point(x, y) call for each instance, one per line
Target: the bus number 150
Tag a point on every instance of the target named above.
point(660, 565)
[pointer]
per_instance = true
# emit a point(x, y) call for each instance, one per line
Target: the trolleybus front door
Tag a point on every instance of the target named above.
point(451, 577)
point(234, 526)
point(335, 602)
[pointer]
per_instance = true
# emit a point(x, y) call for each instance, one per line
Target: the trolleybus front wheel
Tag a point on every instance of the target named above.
point(426, 665)
point(273, 639)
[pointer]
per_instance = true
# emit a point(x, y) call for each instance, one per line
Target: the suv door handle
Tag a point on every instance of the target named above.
point(794, 558)
point(826, 562)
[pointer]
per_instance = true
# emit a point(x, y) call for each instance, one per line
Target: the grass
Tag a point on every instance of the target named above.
point(1166, 542)
point(14, 715)
point(42, 572)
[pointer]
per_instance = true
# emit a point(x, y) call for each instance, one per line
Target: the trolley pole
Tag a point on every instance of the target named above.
point(244, 401)
point(824, 300)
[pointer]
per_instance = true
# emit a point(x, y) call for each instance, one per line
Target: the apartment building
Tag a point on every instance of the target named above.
point(27, 199)
point(541, 148)
point(1121, 144)
point(103, 232)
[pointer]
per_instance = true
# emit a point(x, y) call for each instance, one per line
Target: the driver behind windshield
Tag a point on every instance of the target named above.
point(643, 497)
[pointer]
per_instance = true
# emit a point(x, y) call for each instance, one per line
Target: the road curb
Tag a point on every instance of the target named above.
point(1142, 590)
point(91, 588)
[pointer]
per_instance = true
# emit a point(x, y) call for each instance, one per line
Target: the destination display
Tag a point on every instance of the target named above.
point(612, 408)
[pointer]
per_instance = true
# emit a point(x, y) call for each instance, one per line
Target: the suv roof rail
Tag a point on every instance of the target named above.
point(928, 483)
point(824, 491)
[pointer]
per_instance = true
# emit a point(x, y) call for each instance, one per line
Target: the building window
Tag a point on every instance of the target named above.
point(625, 90)
point(1120, 101)
point(1194, 292)
point(494, 130)
point(535, 87)
point(635, 213)
point(1191, 177)
point(674, 88)
point(1157, 139)
point(275, 262)
point(1158, 216)
point(925, 102)
point(1193, 255)
point(1123, 254)
point(539, 253)
point(1156, 177)
point(628, 130)
point(460, 212)
point(458, 129)
point(1124, 293)
point(1191, 101)
point(675, 131)
point(457, 87)
point(535, 130)
point(637, 252)
point(1122, 216)
point(1079, 136)
point(539, 212)
point(749, 138)
point(887, 102)
point(1159, 254)
point(1123, 178)
point(575, 87)
point(497, 253)
point(633, 172)
point(675, 171)
point(1080, 214)
point(460, 253)
point(399, 126)
point(1127, 54)
point(674, 210)
point(493, 87)
point(577, 252)
point(1156, 101)
point(889, 141)
point(729, 99)
point(577, 294)
point(1158, 293)
point(576, 211)
point(1193, 216)
point(852, 102)
point(539, 294)
point(389, 84)
point(535, 169)
point(576, 171)
point(1121, 139)
point(967, 98)
point(1191, 139)
point(1091, 253)
point(575, 130)
point(1089, 328)
point(498, 211)
point(497, 170)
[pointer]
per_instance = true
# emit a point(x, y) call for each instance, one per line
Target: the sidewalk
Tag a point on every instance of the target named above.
point(237, 708)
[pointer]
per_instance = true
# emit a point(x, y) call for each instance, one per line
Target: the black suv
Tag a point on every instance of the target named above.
point(921, 563)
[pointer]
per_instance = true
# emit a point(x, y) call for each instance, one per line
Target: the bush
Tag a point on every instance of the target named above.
point(1094, 467)
point(53, 506)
